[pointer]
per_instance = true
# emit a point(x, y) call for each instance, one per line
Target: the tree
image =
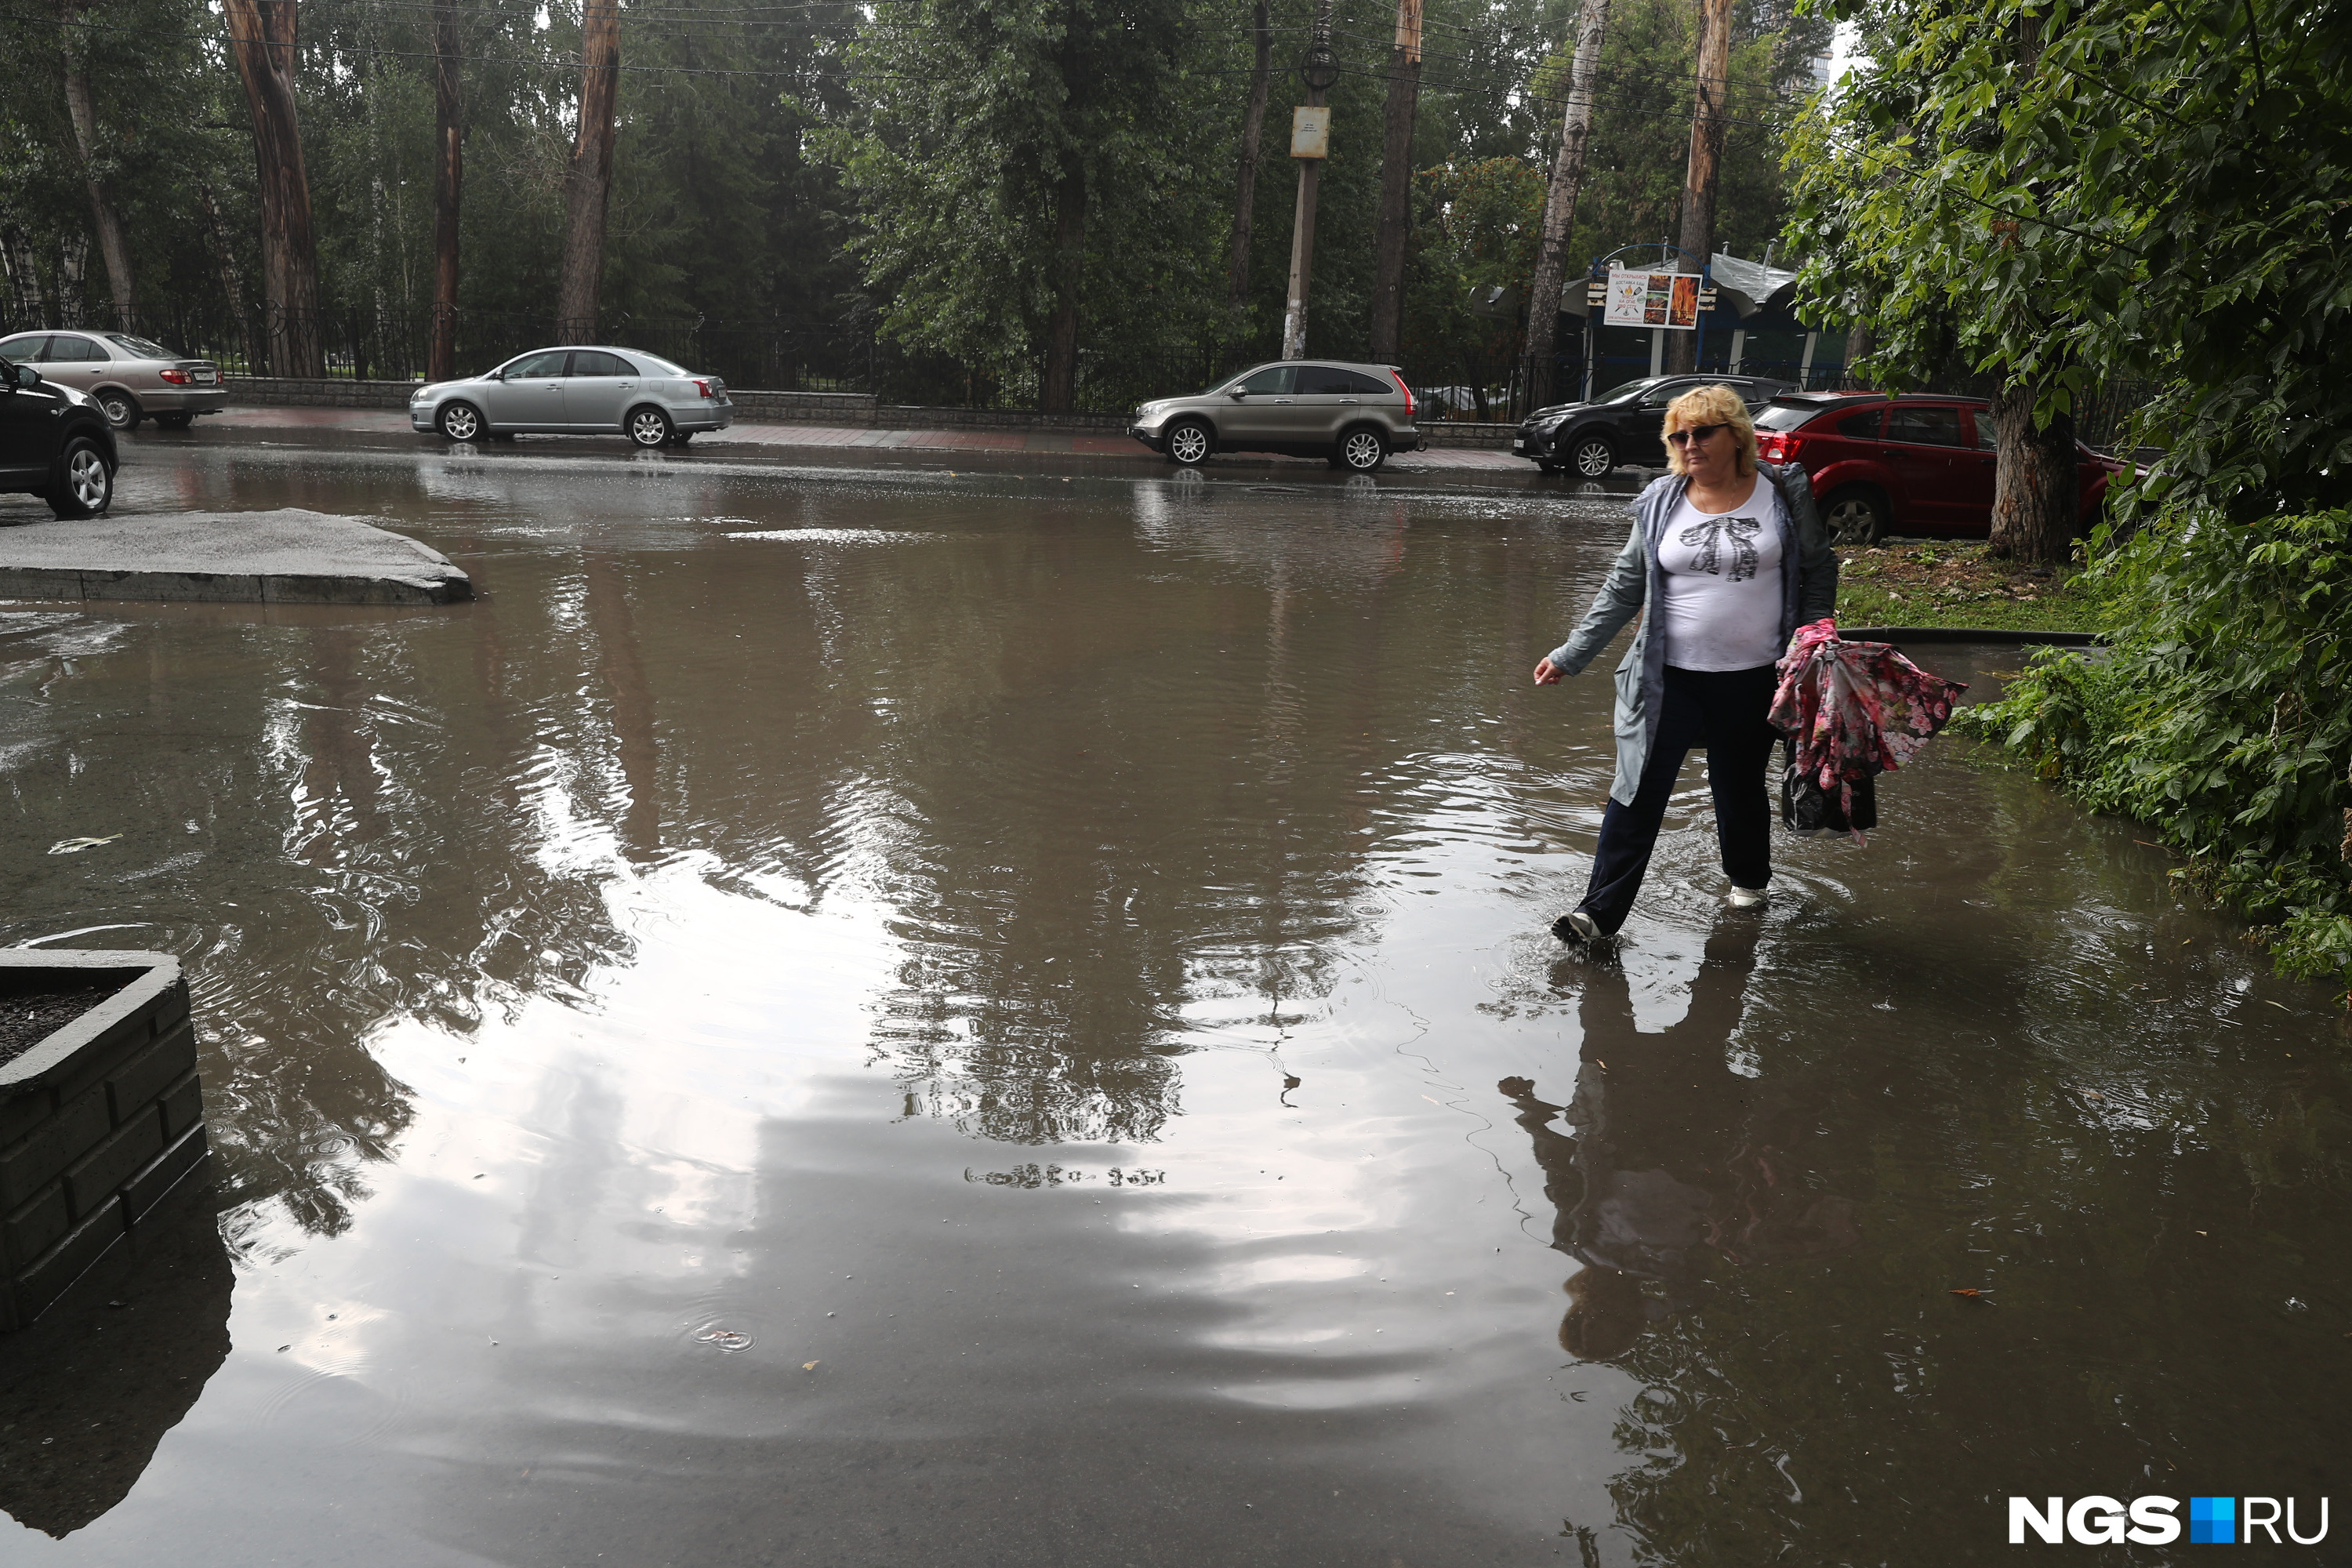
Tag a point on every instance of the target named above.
point(448, 187)
point(95, 157)
point(2062, 194)
point(588, 184)
point(1027, 172)
point(1246, 183)
point(1559, 201)
point(1709, 90)
point(262, 35)
point(1396, 184)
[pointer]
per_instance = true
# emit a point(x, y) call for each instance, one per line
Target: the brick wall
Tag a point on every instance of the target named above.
point(97, 1123)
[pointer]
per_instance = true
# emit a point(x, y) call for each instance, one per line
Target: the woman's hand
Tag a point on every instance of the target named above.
point(1546, 673)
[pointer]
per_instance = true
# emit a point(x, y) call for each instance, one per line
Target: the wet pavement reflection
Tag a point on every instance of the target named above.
point(881, 1016)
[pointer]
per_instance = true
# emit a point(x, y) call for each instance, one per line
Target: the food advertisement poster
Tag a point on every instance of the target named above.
point(1668, 300)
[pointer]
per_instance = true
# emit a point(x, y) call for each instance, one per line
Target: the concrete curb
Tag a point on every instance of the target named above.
point(1971, 633)
point(284, 557)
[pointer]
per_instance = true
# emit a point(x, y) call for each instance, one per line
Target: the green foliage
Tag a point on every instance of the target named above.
point(2222, 716)
point(2059, 191)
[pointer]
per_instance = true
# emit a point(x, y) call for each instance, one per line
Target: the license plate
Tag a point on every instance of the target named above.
point(205, 378)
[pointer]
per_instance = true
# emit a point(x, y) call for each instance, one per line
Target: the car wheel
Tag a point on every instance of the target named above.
point(460, 422)
point(85, 485)
point(1189, 444)
point(649, 427)
point(1363, 449)
point(1590, 457)
point(173, 421)
point(1855, 516)
point(121, 409)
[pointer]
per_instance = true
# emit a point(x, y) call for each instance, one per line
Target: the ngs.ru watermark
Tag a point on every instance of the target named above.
point(2155, 1520)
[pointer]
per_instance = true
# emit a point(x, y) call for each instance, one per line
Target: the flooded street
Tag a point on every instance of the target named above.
point(878, 1017)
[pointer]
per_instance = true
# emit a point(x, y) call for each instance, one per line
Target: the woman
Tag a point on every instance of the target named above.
point(1730, 558)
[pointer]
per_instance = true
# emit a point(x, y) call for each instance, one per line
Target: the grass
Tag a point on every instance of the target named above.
point(1949, 584)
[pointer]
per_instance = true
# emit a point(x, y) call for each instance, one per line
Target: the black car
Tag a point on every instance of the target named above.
point(1622, 425)
point(54, 443)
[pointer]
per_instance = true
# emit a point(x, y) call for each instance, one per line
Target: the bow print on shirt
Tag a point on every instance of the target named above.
point(1709, 536)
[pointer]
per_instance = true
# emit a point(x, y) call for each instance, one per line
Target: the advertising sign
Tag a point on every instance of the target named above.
point(1668, 300)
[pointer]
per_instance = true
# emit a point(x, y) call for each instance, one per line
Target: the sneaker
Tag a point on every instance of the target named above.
point(1745, 898)
point(1576, 925)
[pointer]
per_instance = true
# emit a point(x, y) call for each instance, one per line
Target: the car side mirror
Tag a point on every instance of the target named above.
point(24, 375)
point(494, 375)
point(1237, 393)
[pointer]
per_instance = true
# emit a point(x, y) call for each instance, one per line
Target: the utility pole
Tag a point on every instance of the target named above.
point(1310, 131)
point(1559, 205)
point(1245, 188)
point(1706, 165)
point(1396, 186)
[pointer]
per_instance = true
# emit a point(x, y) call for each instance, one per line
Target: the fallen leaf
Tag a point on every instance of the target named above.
point(808, 1367)
point(75, 846)
point(1971, 1292)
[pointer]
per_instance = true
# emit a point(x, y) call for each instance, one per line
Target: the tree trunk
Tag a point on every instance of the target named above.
point(448, 182)
point(73, 297)
point(1396, 187)
point(588, 186)
point(225, 259)
point(1560, 204)
point(1702, 173)
point(1857, 347)
point(1059, 392)
point(2034, 497)
point(262, 34)
point(24, 276)
point(1245, 192)
point(102, 215)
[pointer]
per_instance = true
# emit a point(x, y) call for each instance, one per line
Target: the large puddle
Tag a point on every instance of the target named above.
point(891, 1018)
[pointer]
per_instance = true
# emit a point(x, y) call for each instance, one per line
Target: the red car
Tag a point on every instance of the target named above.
point(1919, 463)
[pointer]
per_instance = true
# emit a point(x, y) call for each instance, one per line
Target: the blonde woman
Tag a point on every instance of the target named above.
point(1729, 558)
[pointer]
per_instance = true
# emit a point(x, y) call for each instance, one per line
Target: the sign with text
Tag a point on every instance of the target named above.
point(1668, 300)
point(1311, 132)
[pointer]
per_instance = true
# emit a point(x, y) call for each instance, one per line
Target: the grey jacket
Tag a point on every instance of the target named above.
point(1808, 592)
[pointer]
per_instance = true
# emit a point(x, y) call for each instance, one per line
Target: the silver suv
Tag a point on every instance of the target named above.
point(1352, 415)
point(576, 391)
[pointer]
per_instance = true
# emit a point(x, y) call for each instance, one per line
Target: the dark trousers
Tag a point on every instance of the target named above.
point(1723, 713)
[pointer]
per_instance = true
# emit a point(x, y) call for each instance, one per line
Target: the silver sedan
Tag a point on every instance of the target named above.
point(590, 391)
point(132, 378)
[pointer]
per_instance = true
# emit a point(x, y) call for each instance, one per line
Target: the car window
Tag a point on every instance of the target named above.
point(1864, 426)
point(548, 363)
point(593, 361)
point(140, 347)
point(1327, 379)
point(1627, 393)
point(1659, 396)
point(1371, 385)
point(1925, 427)
point(67, 350)
point(656, 365)
point(26, 350)
point(1786, 416)
point(1988, 433)
point(1273, 378)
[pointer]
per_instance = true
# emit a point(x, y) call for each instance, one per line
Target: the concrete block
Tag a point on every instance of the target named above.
point(135, 1085)
point(40, 1159)
point(162, 1173)
point(34, 1227)
point(173, 1005)
point(88, 1242)
point(105, 1057)
point(183, 1106)
point(91, 1180)
point(20, 1113)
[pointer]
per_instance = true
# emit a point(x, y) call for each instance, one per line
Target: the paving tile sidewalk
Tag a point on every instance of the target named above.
point(833, 438)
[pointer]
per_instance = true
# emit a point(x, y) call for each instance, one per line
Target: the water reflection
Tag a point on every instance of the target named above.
point(1673, 1159)
point(91, 1387)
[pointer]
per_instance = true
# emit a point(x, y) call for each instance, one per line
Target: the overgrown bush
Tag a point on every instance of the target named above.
point(2221, 716)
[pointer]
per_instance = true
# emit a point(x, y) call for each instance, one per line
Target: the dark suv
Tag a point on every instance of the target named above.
point(54, 443)
point(1622, 425)
point(1920, 464)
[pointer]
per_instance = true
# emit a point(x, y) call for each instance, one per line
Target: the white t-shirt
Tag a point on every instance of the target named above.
point(1723, 583)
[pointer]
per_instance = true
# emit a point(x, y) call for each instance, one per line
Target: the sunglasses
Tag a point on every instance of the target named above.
point(1696, 433)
